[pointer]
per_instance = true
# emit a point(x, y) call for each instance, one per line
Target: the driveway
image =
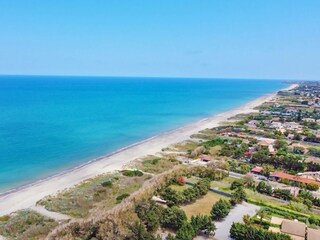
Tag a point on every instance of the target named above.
point(235, 215)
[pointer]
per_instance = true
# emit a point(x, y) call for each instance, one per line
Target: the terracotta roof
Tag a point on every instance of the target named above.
point(293, 178)
point(257, 169)
point(293, 227)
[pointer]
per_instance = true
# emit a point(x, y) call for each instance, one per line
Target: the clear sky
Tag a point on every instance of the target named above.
point(177, 38)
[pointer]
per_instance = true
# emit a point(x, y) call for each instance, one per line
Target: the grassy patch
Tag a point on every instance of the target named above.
point(26, 225)
point(132, 173)
point(223, 185)
point(202, 206)
point(94, 193)
point(155, 165)
point(206, 134)
point(263, 198)
point(179, 188)
point(185, 146)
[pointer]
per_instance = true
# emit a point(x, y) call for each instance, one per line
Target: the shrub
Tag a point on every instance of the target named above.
point(121, 197)
point(282, 194)
point(264, 188)
point(107, 183)
point(132, 173)
point(202, 222)
point(238, 196)
point(220, 209)
point(240, 231)
point(186, 232)
point(173, 218)
point(236, 184)
point(312, 187)
point(182, 181)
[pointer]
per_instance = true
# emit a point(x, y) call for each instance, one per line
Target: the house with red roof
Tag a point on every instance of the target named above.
point(257, 170)
point(281, 175)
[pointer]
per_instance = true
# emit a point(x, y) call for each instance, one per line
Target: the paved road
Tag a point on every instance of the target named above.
point(235, 215)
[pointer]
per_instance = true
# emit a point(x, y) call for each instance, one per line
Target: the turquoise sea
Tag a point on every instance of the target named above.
point(51, 124)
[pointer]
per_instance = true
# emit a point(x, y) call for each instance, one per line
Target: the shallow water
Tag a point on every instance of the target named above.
point(49, 124)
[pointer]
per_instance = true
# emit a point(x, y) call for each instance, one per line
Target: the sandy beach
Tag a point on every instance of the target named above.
point(27, 196)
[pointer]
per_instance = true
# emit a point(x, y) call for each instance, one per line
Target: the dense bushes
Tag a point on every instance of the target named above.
point(153, 215)
point(132, 173)
point(121, 197)
point(287, 213)
point(202, 222)
point(282, 194)
point(188, 195)
point(240, 231)
point(220, 209)
point(173, 218)
point(314, 151)
point(263, 188)
point(209, 172)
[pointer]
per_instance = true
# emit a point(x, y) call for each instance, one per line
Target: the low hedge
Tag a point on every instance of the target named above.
point(272, 208)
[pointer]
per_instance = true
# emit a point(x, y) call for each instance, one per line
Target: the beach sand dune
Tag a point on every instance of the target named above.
point(27, 196)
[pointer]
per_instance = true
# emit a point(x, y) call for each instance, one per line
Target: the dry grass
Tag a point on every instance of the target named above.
point(79, 200)
point(202, 206)
point(185, 146)
point(25, 225)
point(156, 165)
point(205, 134)
point(109, 222)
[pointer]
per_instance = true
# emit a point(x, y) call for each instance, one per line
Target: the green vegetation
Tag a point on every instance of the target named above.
point(241, 231)
point(155, 165)
point(220, 209)
point(238, 196)
point(26, 224)
point(132, 173)
point(121, 197)
point(263, 188)
point(102, 192)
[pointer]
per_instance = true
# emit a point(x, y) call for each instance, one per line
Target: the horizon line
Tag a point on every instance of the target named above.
point(168, 77)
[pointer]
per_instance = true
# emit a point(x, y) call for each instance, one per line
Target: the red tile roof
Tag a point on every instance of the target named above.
point(257, 169)
point(293, 178)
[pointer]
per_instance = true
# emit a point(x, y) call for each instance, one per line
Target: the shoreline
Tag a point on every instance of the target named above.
point(28, 195)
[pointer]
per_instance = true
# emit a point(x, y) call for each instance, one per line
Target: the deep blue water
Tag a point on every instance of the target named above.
point(49, 124)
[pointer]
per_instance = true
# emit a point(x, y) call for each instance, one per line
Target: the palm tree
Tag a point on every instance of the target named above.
point(262, 213)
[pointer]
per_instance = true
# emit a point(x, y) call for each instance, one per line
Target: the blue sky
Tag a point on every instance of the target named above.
point(277, 39)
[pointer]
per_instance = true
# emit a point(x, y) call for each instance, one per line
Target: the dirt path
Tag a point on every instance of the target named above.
point(54, 215)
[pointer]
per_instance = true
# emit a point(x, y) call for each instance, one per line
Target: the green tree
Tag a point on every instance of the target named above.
point(236, 184)
point(139, 232)
point(262, 213)
point(149, 212)
point(186, 232)
point(173, 217)
point(202, 222)
point(238, 196)
point(263, 188)
point(283, 194)
point(220, 209)
point(281, 144)
point(170, 237)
